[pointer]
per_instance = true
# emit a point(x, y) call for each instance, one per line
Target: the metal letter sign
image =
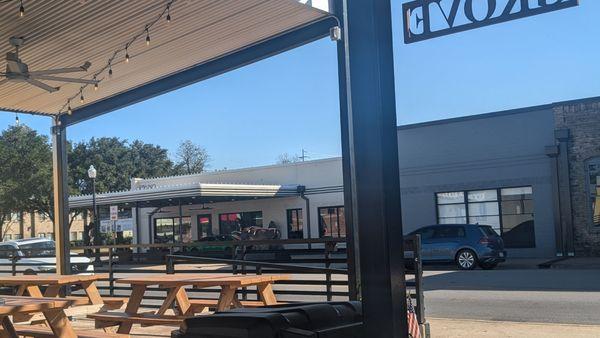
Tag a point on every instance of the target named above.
point(426, 19)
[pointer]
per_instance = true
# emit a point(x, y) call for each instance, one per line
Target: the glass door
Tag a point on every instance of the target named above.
point(204, 226)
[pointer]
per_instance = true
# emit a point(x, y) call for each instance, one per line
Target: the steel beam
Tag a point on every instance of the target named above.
point(61, 197)
point(371, 173)
point(261, 50)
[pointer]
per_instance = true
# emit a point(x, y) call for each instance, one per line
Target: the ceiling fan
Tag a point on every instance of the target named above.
point(17, 71)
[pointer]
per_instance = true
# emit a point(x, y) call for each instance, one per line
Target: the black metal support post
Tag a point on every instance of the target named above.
point(337, 7)
point(371, 173)
point(61, 197)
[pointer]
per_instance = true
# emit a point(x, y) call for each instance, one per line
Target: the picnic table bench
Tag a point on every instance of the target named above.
point(176, 294)
point(52, 309)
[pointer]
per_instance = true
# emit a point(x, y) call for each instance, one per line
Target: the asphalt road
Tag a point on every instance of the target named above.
point(546, 296)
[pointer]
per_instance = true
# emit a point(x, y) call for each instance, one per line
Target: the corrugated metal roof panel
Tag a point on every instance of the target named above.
point(67, 33)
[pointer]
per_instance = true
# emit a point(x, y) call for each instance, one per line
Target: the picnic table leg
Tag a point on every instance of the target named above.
point(52, 290)
point(183, 302)
point(21, 290)
point(137, 294)
point(171, 295)
point(8, 329)
point(226, 298)
point(59, 323)
point(91, 291)
point(33, 291)
point(267, 296)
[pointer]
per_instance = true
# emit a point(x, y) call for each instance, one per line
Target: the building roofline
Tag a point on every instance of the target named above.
point(499, 113)
point(217, 172)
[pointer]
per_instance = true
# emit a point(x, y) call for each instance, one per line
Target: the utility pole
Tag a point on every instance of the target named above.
point(304, 156)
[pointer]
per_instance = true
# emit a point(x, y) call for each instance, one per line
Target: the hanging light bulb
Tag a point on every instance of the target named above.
point(69, 110)
point(126, 55)
point(95, 84)
point(110, 72)
point(17, 119)
point(169, 13)
point(147, 37)
point(81, 99)
point(21, 9)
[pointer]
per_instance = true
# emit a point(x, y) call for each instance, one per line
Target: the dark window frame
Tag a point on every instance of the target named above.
point(337, 207)
point(175, 226)
point(199, 225)
point(297, 233)
point(241, 213)
point(498, 200)
point(592, 196)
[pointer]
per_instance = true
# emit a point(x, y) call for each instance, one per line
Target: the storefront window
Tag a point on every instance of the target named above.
point(295, 223)
point(332, 222)
point(517, 218)
point(239, 220)
point(167, 230)
point(451, 207)
point(593, 169)
point(509, 211)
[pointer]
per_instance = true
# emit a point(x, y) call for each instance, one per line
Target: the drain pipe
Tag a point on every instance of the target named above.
point(301, 190)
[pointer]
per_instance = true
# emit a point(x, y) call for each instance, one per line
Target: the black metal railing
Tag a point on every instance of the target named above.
point(318, 266)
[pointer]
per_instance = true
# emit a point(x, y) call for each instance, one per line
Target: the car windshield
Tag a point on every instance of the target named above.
point(38, 249)
point(487, 230)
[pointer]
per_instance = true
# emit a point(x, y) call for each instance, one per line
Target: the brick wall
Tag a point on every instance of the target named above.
point(583, 121)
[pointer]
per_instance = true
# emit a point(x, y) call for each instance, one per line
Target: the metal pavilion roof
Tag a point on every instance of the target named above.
point(67, 33)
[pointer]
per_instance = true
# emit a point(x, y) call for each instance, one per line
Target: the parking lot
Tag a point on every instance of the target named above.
point(523, 295)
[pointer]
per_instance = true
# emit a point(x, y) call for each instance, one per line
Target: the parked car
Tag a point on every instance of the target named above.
point(468, 245)
point(38, 255)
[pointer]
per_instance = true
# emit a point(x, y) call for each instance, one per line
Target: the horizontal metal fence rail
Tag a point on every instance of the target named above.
point(318, 266)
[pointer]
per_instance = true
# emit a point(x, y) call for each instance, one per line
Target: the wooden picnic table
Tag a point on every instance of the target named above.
point(175, 285)
point(52, 308)
point(30, 284)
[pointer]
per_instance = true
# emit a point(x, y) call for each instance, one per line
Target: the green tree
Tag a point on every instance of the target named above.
point(25, 172)
point(191, 158)
point(117, 162)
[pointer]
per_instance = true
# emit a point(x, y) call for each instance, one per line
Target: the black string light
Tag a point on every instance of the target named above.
point(166, 14)
point(21, 9)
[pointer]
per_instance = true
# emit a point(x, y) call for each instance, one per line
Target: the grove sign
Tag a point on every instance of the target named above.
point(426, 19)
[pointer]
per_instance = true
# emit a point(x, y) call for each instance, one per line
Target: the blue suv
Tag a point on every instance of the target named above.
point(468, 245)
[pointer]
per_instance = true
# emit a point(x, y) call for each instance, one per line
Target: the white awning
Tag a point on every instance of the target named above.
point(173, 192)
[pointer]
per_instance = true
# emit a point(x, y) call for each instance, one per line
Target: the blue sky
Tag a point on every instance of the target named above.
point(249, 116)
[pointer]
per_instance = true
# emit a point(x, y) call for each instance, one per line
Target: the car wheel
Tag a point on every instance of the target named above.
point(466, 259)
point(488, 266)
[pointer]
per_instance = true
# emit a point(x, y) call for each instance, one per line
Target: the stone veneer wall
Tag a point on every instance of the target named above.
point(582, 118)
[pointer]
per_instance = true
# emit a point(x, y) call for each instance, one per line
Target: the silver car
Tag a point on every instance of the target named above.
point(38, 255)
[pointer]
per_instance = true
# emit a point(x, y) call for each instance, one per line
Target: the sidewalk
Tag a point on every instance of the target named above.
point(451, 328)
point(577, 263)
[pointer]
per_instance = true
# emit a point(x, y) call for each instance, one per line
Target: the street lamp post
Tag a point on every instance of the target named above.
point(92, 175)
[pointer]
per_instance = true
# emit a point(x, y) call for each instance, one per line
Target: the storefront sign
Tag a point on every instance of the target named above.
point(114, 212)
point(426, 19)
